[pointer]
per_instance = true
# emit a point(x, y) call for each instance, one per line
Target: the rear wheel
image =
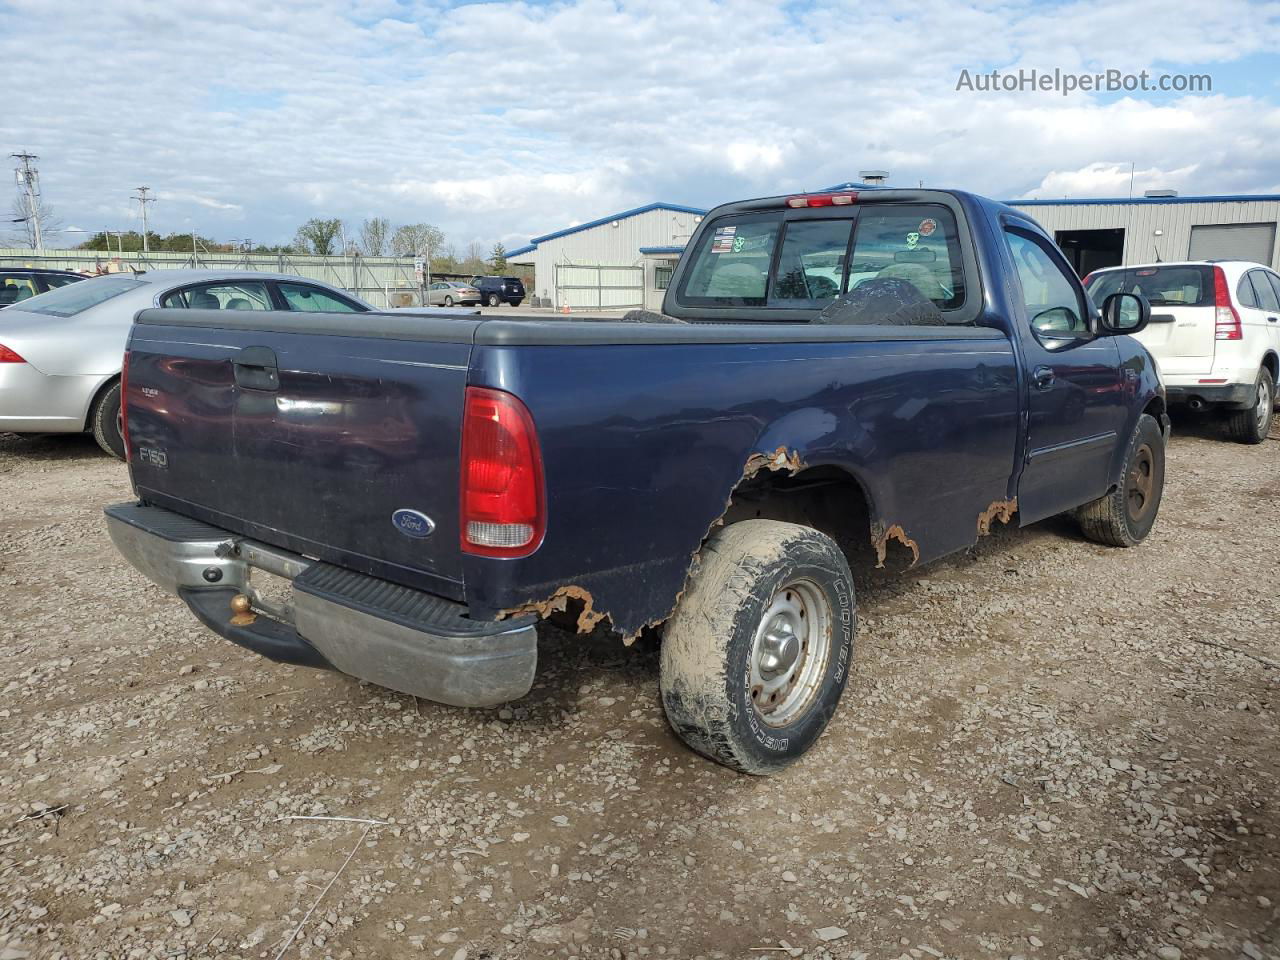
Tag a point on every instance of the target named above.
point(107, 422)
point(1125, 516)
point(1253, 424)
point(758, 651)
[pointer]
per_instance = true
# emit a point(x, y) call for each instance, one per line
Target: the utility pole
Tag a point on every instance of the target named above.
point(143, 200)
point(29, 180)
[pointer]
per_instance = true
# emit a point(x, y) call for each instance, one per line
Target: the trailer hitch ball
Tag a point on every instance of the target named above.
point(242, 610)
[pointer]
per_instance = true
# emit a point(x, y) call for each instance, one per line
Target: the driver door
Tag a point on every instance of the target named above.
point(1075, 401)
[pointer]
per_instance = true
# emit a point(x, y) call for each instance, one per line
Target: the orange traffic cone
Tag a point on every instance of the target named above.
point(564, 308)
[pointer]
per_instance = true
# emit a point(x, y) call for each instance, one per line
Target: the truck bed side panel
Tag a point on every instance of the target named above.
point(642, 455)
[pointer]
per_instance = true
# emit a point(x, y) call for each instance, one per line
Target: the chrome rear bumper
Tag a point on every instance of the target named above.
point(378, 631)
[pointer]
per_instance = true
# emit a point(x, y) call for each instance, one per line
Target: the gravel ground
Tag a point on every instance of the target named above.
point(1048, 749)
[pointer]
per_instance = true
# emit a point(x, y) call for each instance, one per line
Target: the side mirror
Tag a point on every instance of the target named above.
point(1125, 313)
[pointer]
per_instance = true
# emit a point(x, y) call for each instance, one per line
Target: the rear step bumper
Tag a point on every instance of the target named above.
point(338, 619)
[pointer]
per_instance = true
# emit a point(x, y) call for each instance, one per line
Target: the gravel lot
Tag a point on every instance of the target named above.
point(1048, 749)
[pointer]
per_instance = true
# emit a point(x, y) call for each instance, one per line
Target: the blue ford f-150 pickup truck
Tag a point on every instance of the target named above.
point(891, 371)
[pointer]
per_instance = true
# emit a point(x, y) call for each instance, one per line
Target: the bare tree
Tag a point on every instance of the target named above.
point(417, 240)
point(375, 232)
point(474, 262)
point(319, 236)
point(24, 230)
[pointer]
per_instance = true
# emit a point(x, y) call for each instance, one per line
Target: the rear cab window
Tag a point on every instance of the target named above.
point(773, 260)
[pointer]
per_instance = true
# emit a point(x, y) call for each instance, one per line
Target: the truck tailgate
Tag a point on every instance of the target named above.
point(307, 431)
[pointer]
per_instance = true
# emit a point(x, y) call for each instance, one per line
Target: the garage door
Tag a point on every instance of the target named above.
point(1233, 241)
point(599, 288)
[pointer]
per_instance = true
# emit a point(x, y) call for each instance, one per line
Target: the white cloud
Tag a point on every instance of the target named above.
point(507, 120)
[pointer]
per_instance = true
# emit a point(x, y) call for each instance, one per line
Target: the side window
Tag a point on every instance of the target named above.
point(732, 266)
point(15, 288)
point(1244, 292)
point(250, 295)
point(309, 299)
point(54, 281)
point(1052, 300)
point(1262, 290)
point(811, 265)
point(1275, 283)
point(916, 243)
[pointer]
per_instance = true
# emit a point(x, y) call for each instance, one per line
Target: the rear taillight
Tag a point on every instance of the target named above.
point(503, 505)
point(124, 404)
point(1085, 281)
point(1226, 325)
point(9, 356)
point(822, 200)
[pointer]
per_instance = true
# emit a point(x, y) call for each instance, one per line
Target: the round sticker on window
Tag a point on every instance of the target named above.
point(927, 227)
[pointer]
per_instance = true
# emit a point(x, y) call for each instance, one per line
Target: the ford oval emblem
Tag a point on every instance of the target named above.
point(413, 524)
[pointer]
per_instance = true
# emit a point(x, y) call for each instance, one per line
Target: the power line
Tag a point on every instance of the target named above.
point(29, 180)
point(143, 200)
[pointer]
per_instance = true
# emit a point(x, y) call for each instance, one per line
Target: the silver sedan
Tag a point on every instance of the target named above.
point(61, 352)
point(446, 293)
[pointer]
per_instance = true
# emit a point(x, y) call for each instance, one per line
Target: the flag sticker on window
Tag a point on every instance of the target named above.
point(722, 242)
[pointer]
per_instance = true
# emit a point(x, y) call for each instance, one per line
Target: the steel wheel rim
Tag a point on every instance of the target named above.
point(789, 653)
point(1140, 486)
point(1264, 406)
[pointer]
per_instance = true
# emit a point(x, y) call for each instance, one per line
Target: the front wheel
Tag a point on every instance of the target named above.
point(758, 651)
point(106, 422)
point(1124, 517)
point(493, 300)
point(1253, 425)
point(448, 301)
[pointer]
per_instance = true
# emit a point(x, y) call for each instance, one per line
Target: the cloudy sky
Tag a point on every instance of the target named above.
point(501, 121)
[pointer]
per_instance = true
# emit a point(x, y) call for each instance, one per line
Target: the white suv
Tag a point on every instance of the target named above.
point(1214, 331)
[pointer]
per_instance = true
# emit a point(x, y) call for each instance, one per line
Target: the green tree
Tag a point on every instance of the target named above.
point(319, 236)
point(498, 258)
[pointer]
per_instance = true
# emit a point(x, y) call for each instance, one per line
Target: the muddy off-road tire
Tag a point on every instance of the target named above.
point(1253, 424)
point(104, 421)
point(758, 652)
point(1124, 517)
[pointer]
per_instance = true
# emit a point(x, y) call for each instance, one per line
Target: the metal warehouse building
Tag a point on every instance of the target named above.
point(600, 265)
point(1160, 226)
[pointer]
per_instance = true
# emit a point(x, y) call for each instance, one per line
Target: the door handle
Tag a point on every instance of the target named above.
point(1273, 320)
point(255, 368)
point(1043, 377)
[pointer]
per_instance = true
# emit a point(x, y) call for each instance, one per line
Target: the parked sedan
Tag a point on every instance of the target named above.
point(446, 293)
point(61, 351)
point(22, 283)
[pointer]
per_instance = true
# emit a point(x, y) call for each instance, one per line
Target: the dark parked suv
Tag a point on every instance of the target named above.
point(496, 290)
